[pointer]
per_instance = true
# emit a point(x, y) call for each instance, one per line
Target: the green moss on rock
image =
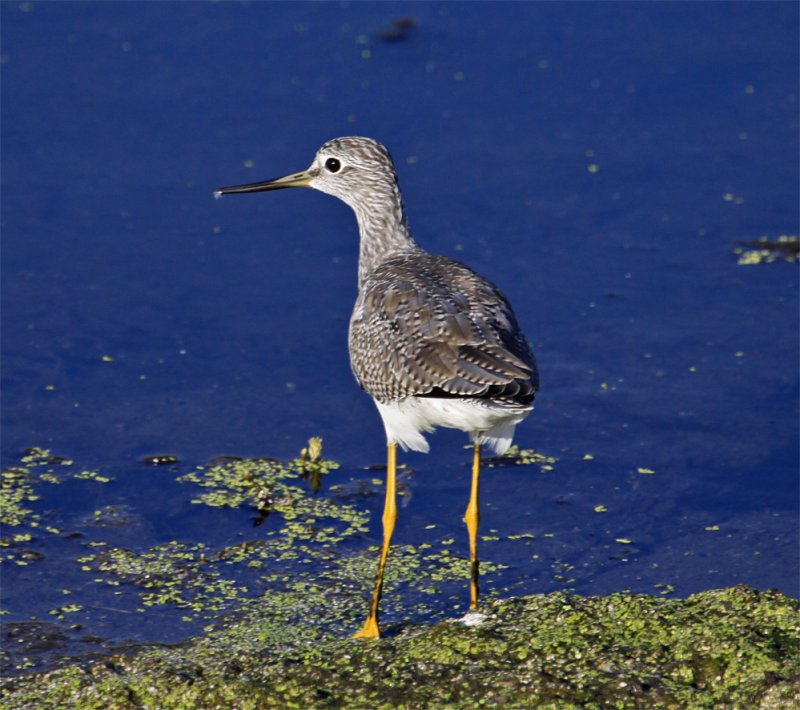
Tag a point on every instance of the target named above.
point(736, 648)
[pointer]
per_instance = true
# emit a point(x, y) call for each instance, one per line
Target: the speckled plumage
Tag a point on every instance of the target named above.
point(424, 327)
point(427, 326)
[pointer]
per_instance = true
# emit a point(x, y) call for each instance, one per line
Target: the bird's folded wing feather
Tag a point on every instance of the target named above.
point(429, 326)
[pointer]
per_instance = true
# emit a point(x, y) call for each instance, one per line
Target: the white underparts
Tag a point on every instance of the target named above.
point(487, 423)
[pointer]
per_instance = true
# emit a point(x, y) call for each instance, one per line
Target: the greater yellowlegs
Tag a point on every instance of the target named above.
point(431, 341)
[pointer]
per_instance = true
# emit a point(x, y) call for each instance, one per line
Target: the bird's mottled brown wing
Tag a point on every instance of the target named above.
point(426, 325)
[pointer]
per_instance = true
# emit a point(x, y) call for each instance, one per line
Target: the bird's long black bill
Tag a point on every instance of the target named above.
point(302, 179)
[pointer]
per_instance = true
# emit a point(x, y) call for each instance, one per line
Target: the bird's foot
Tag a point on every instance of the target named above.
point(369, 630)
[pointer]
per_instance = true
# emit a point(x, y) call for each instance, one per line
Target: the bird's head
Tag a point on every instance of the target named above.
point(359, 171)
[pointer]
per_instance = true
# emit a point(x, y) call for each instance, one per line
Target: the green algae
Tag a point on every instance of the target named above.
point(271, 486)
point(18, 486)
point(21, 487)
point(524, 457)
point(765, 250)
point(310, 556)
point(195, 577)
point(278, 609)
point(733, 647)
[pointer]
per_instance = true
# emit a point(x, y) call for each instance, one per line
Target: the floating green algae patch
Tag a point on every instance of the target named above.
point(735, 648)
point(204, 580)
point(305, 568)
point(765, 250)
point(524, 457)
point(270, 486)
point(20, 488)
point(279, 605)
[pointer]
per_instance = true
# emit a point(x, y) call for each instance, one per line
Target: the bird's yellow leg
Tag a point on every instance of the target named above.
point(471, 518)
point(370, 629)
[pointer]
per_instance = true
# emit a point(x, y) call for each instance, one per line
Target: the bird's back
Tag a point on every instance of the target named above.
point(428, 326)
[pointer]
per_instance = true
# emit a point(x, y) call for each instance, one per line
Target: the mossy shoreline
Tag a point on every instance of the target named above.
point(735, 647)
point(284, 643)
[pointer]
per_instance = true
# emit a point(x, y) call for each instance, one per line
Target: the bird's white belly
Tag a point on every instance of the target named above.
point(485, 421)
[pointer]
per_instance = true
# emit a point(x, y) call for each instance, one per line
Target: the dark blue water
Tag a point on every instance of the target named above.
point(600, 162)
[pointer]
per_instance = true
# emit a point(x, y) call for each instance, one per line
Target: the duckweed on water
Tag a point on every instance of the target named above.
point(272, 487)
point(311, 556)
point(766, 251)
point(20, 488)
point(524, 457)
point(279, 607)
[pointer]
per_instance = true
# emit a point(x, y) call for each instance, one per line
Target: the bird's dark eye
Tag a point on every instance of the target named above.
point(333, 165)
